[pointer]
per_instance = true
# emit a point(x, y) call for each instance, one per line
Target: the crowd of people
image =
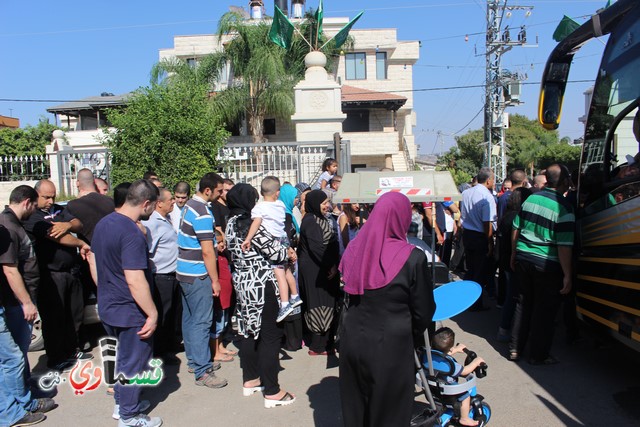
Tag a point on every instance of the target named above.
point(525, 233)
point(172, 270)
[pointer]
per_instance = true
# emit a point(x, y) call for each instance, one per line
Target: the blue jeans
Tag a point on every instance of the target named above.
point(221, 318)
point(15, 396)
point(197, 318)
point(21, 332)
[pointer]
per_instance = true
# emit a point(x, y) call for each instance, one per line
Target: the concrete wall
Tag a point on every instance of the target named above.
point(8, 186)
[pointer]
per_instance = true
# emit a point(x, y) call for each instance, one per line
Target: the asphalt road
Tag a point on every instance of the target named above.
point(594, 385)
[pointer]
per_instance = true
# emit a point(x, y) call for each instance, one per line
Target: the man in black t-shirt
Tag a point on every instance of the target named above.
point(60, 298)
point(84, 212)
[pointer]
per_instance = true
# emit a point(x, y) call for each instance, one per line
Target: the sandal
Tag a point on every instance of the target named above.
point(248, 391)
point(225, 358)
point(287, 399)
point(514, 356)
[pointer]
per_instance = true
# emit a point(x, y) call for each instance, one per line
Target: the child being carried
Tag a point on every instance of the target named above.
point(271, 213)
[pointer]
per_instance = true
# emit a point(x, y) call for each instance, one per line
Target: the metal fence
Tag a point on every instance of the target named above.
point(70, 162)
point(24, 168)
point(242, 162)
point(291, 162)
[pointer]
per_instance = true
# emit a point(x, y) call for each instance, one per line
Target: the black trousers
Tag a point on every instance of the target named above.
point(259, 358)
point(165, 295)
point(536, 310)
point(61, 306)
point(476, 247)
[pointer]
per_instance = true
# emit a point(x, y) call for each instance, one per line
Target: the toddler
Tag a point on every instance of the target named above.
point(270, 213)
point(443, 340)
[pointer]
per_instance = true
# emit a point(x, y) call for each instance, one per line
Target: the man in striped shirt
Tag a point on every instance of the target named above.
point(198, 276)
point(543, 234)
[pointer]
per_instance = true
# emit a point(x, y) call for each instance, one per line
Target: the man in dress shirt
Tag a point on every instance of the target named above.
point(163, 254)
point(478, 220)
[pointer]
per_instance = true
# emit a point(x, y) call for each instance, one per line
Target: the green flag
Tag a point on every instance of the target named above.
point(319, 15)
point(342, 35)
point(281, 31)
point(565, 27)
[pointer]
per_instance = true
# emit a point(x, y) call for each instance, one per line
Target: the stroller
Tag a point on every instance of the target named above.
point(433, 368)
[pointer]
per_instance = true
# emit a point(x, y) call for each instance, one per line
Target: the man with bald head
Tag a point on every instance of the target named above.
point(89, 208)
point(539, 182)
point(542, 238)
point(60, 299)
point(516, 180)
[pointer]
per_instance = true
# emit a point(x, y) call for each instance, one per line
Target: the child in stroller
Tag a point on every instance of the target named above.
point(443, 341)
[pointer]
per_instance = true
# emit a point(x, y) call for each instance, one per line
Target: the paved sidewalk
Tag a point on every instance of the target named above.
point(584, 389)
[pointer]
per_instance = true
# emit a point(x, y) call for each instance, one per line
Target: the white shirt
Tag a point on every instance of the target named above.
point(174, 217)
point(272, 215)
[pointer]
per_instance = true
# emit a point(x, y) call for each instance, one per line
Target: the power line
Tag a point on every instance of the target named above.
point(429, 89)
point(474, 117)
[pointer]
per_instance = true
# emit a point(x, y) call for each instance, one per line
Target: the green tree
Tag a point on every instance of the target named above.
point(30, 140)
point(530, 147)
point(168, 127)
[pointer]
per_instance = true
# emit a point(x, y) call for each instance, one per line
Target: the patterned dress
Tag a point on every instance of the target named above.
point(253, 270)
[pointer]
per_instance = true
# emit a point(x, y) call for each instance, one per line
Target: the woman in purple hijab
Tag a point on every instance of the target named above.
point(390, 300)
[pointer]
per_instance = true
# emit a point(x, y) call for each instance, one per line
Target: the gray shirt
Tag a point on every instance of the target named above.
point(163, 244)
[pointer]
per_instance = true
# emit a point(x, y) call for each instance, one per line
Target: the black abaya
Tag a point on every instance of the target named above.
point(377, 371)
point(315, 260)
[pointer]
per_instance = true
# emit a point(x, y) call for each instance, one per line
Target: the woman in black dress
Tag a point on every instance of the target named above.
point(318, 279)
point(390, 294)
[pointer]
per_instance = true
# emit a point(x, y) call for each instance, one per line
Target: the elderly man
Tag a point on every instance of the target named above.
point(478, 220)
point(181, 193)
point(543, 235)
point(163, 253)
point(125, 303)
point(198, 275)
point(60, 298)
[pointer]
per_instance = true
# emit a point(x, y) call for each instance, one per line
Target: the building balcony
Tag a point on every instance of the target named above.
point(370, 143)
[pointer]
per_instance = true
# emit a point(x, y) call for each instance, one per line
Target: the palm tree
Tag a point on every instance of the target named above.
point(263, 84)
point(263, 74)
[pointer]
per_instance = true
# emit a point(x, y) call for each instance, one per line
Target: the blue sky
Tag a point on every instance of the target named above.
point(70, 50)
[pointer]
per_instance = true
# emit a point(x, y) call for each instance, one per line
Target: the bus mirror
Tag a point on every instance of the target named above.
point(554, 83)
point(550, 106)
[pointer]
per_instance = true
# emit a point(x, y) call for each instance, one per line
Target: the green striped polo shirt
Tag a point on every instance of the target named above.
point(545, 221)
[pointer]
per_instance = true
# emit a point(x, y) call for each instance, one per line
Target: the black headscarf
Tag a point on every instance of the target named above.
point(241, 199)
point(312, 206)
point(313, 201)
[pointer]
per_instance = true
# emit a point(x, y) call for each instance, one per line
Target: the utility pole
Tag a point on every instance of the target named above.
point(502, 87)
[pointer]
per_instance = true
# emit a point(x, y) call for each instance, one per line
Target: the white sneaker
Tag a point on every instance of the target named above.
point(141, 420)
point(143, 406)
